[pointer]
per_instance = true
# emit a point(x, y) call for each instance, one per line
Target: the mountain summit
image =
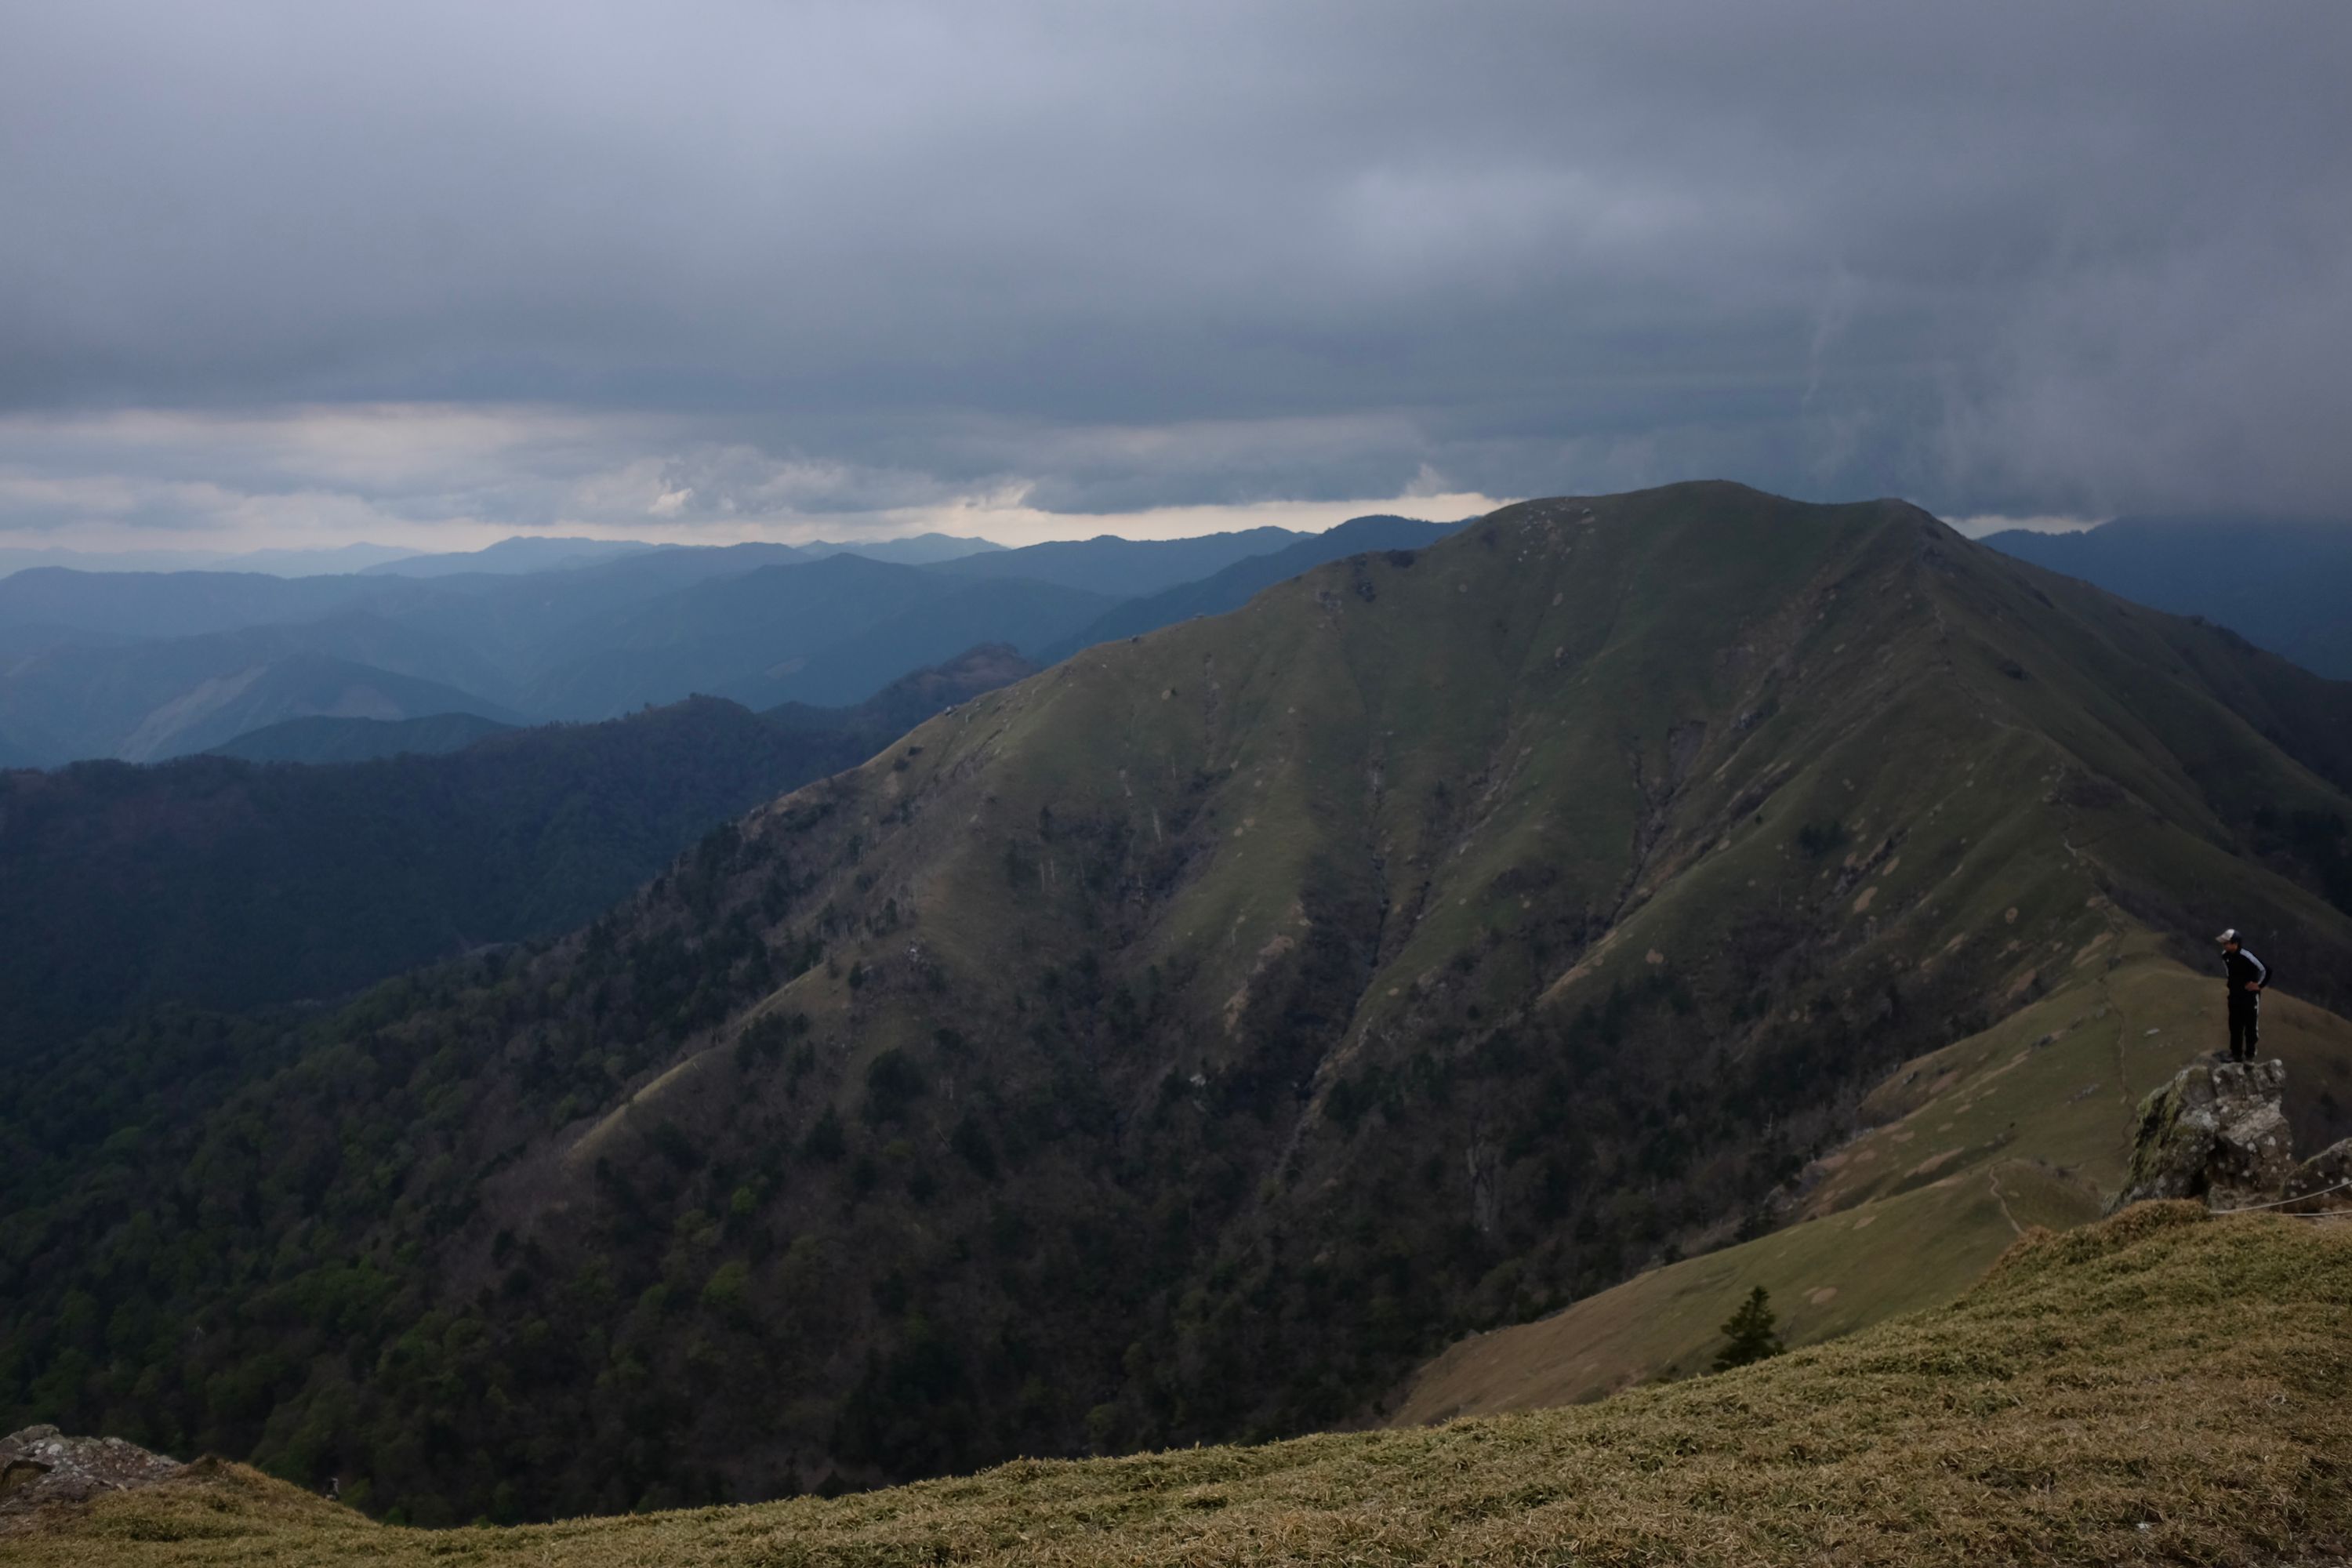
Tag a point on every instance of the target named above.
point(1184, 1042)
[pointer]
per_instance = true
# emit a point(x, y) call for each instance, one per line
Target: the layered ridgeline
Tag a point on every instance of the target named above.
point(145, 665)
point(1181, 1043)
point(2281, 584)
point(219, 882)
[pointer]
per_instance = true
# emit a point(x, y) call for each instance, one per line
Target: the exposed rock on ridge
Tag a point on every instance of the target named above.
point(40, 1464)
point(2326, 1175)
point(2217, 1131)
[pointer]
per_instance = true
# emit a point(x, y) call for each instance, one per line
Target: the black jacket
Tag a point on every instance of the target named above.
point(2242, 966)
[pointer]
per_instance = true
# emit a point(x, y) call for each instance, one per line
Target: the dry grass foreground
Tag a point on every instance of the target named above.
point(2159, 1387)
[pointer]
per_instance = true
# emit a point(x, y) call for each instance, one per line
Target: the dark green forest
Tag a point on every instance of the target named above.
point(219, 1227)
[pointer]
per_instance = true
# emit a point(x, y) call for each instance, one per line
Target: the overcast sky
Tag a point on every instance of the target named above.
point(429, 274)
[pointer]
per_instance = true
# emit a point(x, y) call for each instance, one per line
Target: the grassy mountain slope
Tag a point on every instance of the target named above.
point(227, 883)
point(2027, 1123)
point(2281, 584)
point(1187, 1041)
point(2157, 1388)
point(320, 740)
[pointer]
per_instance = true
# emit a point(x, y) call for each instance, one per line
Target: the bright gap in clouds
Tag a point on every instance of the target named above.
point(442, 477)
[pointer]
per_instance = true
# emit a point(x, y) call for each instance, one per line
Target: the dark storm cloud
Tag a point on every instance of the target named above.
point(2022, 257)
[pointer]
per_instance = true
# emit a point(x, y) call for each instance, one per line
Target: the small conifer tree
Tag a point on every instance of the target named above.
point(1750, 1332)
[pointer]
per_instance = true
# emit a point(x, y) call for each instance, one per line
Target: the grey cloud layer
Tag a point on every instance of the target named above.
point(2009, 256)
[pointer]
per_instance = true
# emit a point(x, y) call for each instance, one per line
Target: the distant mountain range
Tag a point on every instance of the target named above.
point(2282, 584)
point(283, 563)
point(1244, 580)
point(147, 666)
point(508, 556)
point(233, 879)
point(1123, 568)
point(524, 553)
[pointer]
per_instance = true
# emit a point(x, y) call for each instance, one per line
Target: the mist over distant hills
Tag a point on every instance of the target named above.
point(2281, 584)
point(523, 553)
point(144, 666)
point(281, 562)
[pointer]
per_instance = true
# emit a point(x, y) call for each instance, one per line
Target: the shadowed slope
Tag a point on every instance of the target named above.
point(319, 740)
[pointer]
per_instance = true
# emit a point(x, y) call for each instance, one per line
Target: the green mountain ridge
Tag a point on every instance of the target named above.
point(1187, 1041)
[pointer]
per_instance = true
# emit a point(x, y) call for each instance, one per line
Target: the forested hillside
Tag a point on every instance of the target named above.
point(232, 883)
point(1181, 1043)
point(323, 740)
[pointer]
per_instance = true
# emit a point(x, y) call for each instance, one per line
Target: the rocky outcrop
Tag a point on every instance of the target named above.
point(2216, 1131)
point(40, 1464)
point(2326, 1177)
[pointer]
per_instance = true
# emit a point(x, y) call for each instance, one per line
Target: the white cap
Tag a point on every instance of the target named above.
point(2230, 935)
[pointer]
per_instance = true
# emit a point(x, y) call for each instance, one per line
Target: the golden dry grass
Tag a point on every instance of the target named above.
point(2161, 1387)
point(1827, 1277)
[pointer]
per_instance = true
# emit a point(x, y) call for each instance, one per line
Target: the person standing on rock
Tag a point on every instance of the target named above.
point(2247, 977)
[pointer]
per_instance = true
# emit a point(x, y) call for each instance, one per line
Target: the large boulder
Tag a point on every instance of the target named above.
point(40, 1464)
point(2216, 1131)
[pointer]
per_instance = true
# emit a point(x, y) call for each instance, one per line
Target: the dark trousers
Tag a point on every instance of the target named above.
point(2245, 1029)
